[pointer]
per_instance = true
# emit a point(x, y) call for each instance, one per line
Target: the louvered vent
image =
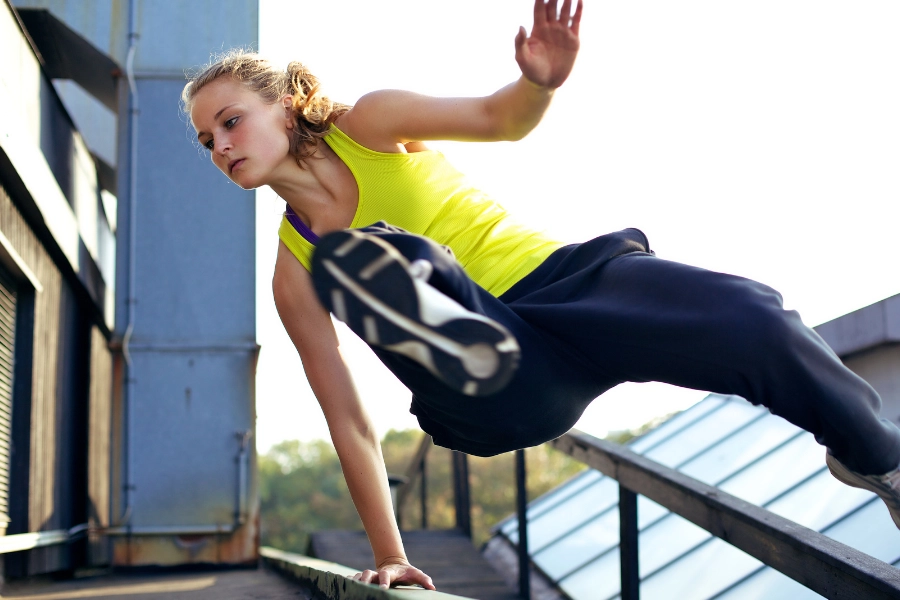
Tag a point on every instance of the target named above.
point(7, 348)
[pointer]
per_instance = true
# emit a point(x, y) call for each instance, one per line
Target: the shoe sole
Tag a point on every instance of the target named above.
point(845, 475)
point(365, 282)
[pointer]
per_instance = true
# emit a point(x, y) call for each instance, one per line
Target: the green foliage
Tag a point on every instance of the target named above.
point(302, 488)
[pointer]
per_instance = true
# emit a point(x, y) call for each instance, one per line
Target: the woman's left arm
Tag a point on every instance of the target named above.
point(382, 120)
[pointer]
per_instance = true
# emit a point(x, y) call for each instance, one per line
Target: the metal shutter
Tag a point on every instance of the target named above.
point(7, 341)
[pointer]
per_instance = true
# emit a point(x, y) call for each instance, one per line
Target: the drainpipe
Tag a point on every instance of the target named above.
point(243, 468)
point(131, 301)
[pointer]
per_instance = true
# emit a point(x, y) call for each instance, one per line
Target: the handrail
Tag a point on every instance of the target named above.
point(333, 581)
point(461, 494)
point(822, 564)
point(413, 471)
point(19, 542)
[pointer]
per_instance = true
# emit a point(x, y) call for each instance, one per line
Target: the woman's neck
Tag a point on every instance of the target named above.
point(324, 193)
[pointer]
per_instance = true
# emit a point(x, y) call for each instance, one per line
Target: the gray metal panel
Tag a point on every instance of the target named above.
point(195, 237)
point(187, 410)
point(865, 328)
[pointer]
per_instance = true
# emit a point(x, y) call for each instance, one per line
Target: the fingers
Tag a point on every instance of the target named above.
point(367, 576)
point(565, 12)
point(426, 582)
point(545, 12)
point(416, 577)
point(520, 38)
point(384, 578)
point(576, 18)
point(551, 12)
point(540, 13)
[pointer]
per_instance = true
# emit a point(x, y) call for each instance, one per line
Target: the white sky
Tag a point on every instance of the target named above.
point(756, 138)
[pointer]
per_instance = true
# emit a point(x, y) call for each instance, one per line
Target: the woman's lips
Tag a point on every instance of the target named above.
point(235, 164)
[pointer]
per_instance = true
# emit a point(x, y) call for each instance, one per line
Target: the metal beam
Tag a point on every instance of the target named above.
point(67, 55)
point(822, 564)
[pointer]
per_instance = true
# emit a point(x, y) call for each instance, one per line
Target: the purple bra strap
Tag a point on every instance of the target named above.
point(300, 226)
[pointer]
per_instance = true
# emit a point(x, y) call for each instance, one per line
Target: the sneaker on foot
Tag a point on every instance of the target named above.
point(366, 283)
point(887, 486)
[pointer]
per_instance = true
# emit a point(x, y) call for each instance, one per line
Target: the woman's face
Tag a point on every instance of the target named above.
point(248, 139)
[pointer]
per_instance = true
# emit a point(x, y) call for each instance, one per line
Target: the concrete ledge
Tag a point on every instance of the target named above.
point(332, 581)
point(864, 329)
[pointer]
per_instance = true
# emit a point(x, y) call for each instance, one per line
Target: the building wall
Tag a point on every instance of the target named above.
point(881, 368)
point(50, 223)
point(185, 301)
point(69, 358)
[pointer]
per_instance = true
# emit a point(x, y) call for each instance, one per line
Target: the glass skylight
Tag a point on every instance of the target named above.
point(722, 441)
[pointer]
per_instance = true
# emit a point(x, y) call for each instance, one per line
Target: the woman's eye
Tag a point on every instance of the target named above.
point(230, 122)
point(208, 144)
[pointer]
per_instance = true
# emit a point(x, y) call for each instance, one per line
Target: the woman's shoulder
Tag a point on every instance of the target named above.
point(361, 123)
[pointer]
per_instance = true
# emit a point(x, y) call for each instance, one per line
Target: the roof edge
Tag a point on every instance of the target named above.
point(869, 327)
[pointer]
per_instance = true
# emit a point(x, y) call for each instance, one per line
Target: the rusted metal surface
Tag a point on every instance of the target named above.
point(238, 548)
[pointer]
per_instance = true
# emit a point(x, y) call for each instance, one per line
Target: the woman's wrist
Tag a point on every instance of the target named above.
point(537, 86)
point(392, 560)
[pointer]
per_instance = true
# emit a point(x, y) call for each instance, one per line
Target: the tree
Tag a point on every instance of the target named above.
point(302, 489)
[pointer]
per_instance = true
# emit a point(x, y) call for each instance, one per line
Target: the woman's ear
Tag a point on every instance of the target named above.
point(288, 102)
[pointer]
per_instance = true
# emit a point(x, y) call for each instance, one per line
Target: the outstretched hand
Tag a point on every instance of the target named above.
point(546, 56)
point(396, 572)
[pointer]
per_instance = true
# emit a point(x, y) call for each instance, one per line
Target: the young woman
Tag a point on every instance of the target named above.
point(502, 334)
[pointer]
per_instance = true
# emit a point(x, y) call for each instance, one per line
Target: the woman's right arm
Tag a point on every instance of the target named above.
point(311, 330)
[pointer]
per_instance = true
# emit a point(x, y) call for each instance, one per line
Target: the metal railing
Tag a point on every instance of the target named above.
point(822, 564)
point(462, 500)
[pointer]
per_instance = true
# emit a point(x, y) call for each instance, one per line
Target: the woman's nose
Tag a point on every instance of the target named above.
point(221, 145)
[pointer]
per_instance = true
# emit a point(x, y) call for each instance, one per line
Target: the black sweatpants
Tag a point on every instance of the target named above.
point(607, 311)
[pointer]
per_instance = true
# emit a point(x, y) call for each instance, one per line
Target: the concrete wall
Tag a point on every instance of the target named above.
point(881, 368)
point(868, 341)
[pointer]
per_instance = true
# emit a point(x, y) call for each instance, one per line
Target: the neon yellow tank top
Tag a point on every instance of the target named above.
point(423, 194)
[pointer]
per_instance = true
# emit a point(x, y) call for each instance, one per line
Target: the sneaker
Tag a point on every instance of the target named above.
point(366, 283)
point(887, 486)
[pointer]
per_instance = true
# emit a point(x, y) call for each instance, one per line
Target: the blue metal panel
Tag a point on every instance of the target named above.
point(180, 35)
point(195, 237)
point(187, 410)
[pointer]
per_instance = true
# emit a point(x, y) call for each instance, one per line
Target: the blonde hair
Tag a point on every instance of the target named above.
point(313, 112)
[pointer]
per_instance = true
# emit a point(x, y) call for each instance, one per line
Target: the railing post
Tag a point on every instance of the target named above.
point(521, 507)
point(628, 544)
point(461, 492)
point(423, 493)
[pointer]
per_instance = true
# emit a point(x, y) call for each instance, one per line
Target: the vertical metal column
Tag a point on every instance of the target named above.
point(423, 491)
point(461, 492)
point(628, 544)
point(521, 508)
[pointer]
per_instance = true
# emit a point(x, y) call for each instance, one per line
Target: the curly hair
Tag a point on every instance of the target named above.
point(313, 112)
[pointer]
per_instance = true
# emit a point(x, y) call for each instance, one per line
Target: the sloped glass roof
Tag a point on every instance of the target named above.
point(573, 531)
